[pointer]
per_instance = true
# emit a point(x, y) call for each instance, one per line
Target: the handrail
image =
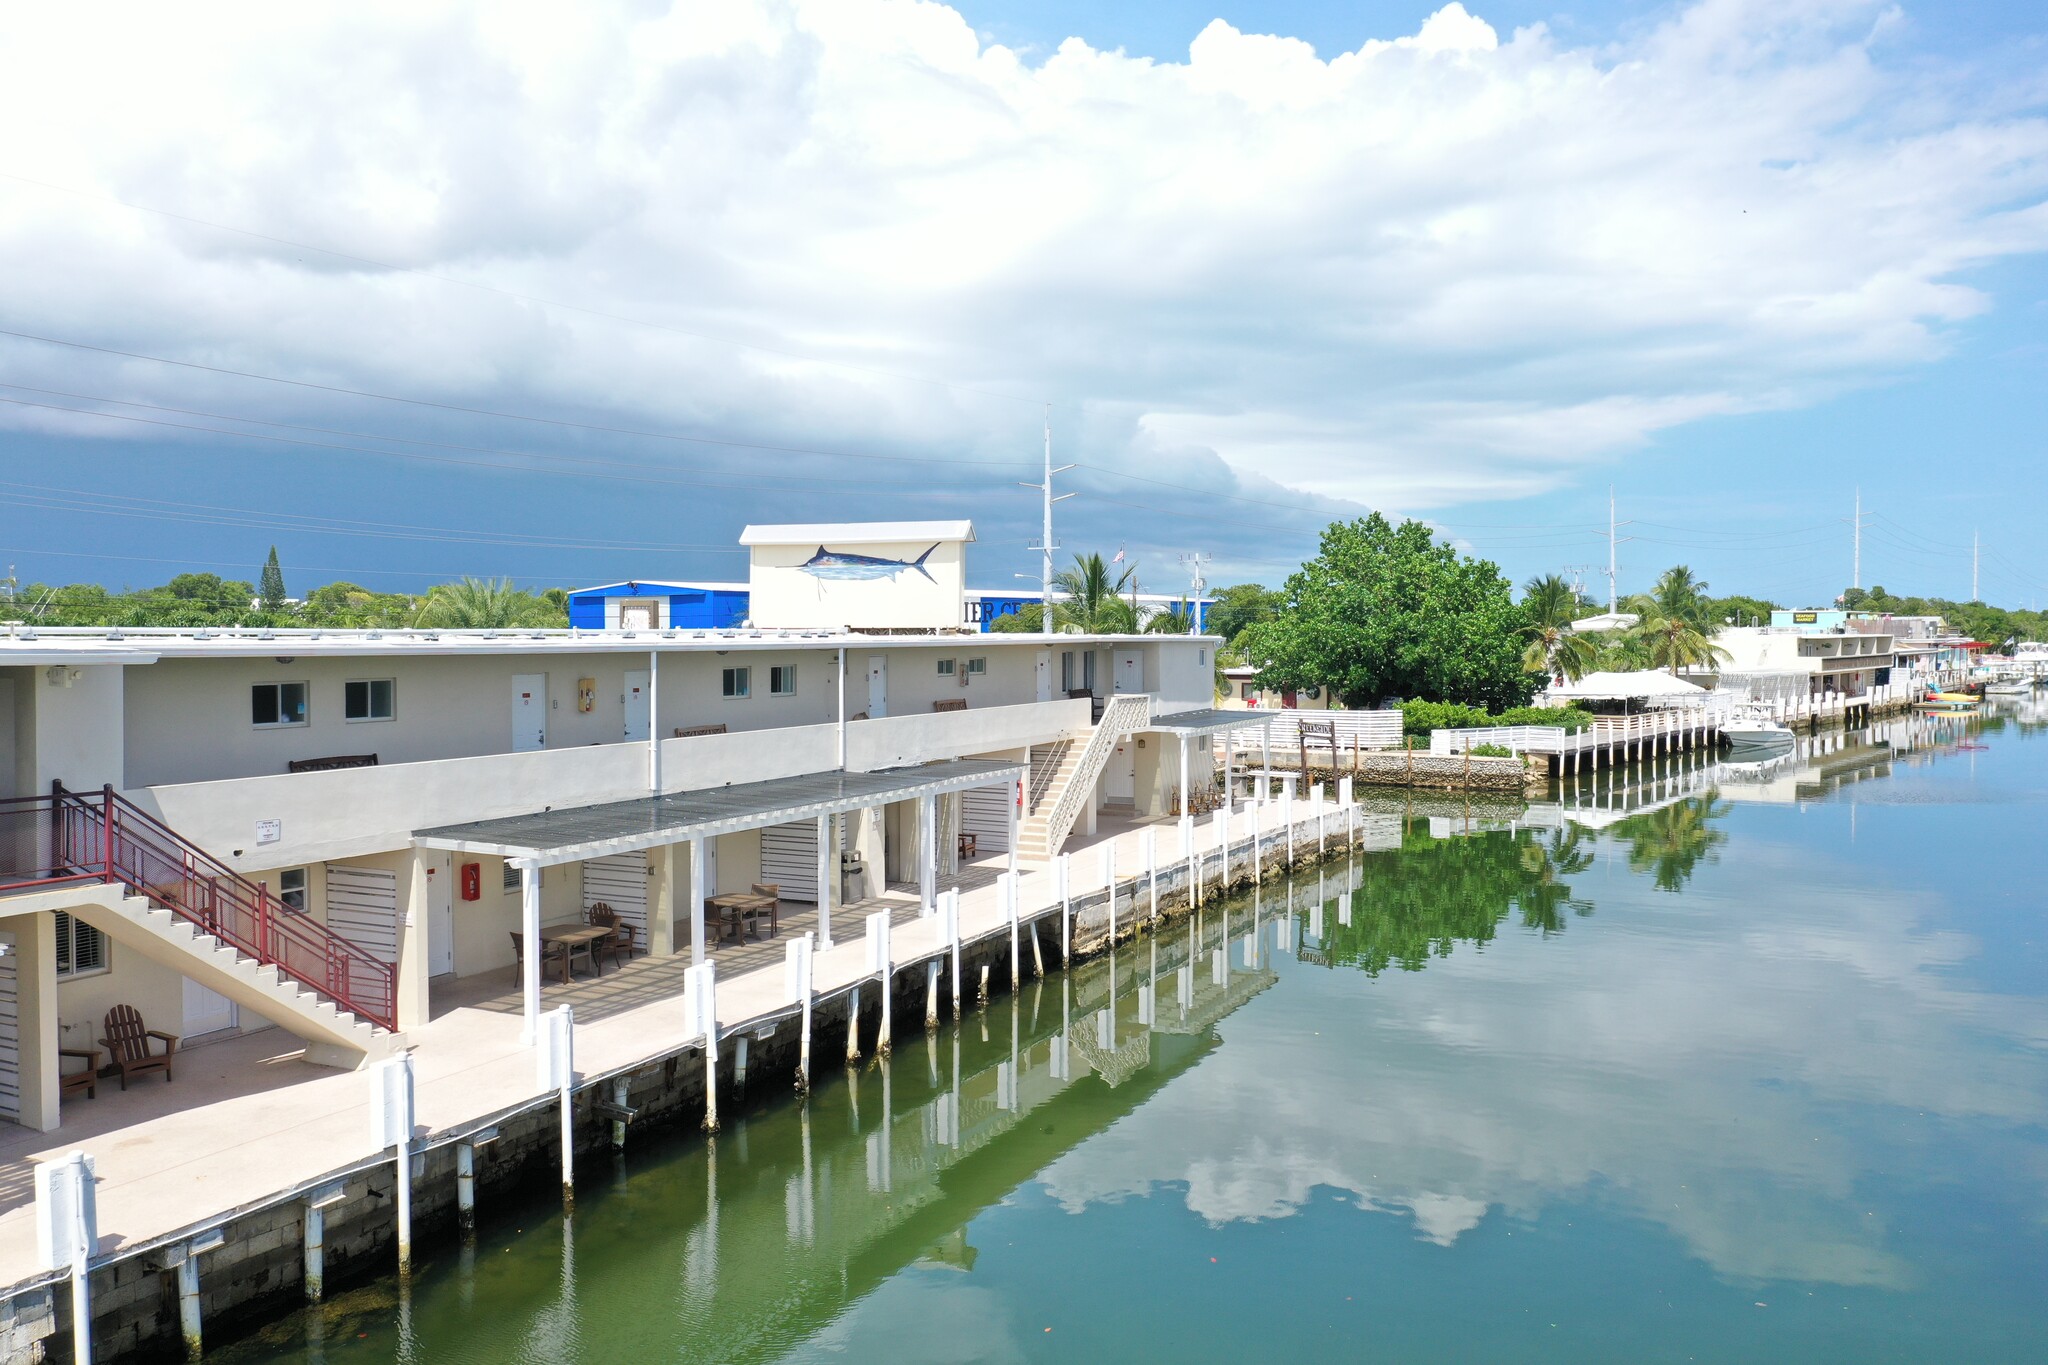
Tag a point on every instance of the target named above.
point(1124, 714)
point(106, 838)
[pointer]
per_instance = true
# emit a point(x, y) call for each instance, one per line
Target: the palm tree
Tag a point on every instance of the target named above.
point(1673, 641)
point(1550, 601)
point(1671, 843)
point(1678, 594)
point(1179, 619)
point(1085, 598)
point(483, 604)
point(1558, 652)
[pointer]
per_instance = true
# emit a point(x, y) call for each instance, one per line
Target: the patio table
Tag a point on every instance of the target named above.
point(572, 937)
point(737, 908)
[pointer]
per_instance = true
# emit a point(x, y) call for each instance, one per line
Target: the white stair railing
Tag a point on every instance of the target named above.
point(1125, 714)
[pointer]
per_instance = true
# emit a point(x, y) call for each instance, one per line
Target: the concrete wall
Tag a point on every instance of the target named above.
point(783, 595)
point(77, 727)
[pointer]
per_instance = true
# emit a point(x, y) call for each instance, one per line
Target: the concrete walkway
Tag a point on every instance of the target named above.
point(248, 1121)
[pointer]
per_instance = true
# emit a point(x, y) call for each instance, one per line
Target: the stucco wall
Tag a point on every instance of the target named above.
point(783, 595)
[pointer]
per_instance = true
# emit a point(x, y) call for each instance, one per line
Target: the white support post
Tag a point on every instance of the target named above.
point(828, 880)
point(556, 1070)
point(1185, 808)
point(1149, 842)
point(952, 932)
point(1109, 880)
point(1344, 789)
point(700, 1022)
point(696, 909)
point(1007, 890)
point(881, 964)
point(1015, 807)
point(1258, 863)
point(654, 721)
point(927, 854)
point(797, 976)
point(67, 1232)
point(1190, 860)
point(1287, 815)
point(391, 1125)
point(1229, 750)
point(529, 953)
point(1223, 843)
point(1063, 871)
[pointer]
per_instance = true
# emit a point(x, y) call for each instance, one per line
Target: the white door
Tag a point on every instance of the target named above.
point(529, 712)
point(1120, 775)
point(637, 616)
point(1130, 671)
point(878, 686)
point(1042, 667)
point(636, 705)
point(206, 1012)
point(440, 922)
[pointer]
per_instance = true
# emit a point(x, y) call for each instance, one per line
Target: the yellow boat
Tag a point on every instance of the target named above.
point(1950, 701)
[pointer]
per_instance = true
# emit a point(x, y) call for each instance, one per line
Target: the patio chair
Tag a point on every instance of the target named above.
point(624, 937)
point(128, 1042)
point(547, 952)
point(773, 891)
point(88, 1080)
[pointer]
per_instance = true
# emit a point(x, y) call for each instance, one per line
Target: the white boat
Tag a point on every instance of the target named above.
point(1754, 727)
point(2009, 687)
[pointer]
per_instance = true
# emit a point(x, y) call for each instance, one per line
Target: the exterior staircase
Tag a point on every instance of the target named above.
point(333, 1036)
point(125, 873)
point(1063, 780)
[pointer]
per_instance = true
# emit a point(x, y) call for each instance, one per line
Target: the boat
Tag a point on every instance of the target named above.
point(2009, 687)
point(1949, 703)
point(1754, 727)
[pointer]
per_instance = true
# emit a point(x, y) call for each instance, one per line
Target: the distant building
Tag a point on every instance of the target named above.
point(986, 606)
point(648, 605)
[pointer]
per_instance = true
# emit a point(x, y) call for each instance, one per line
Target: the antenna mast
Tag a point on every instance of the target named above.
point(1612, 543)
point(1974, 597)
point(1046, 544)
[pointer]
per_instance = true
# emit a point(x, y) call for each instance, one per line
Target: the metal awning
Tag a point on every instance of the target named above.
point(548, 837)
point(1209, 721)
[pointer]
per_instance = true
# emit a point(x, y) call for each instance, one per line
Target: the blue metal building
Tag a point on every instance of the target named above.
point(646, 605)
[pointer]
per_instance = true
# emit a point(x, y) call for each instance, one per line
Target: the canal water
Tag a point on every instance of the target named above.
point(1719, 1063)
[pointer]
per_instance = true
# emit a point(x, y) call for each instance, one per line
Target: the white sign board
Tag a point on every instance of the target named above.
point(269, 831)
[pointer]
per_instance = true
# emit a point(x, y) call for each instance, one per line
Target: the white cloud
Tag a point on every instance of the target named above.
point(1439, 267)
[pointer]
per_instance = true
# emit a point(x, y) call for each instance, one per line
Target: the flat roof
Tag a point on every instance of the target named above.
point(579, 832)
point(1209, 720)
point(859, 532)
point(636, 584)
point(142, 645)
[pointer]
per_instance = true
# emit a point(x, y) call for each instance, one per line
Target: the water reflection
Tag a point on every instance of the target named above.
point(1670, 843)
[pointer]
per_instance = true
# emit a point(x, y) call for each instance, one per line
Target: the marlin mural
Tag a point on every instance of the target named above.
point(838, 564)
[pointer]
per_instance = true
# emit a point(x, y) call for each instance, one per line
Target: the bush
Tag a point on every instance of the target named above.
point(1420, 717)
point(1490, 751)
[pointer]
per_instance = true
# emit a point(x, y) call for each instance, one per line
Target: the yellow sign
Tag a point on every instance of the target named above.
point(1805, 618)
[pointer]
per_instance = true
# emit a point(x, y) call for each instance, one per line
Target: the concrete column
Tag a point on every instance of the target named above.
point(661, 900)
point(927, 853)
point(414, 964)
point(1010, 804)
point(695, 909)
point(34, 948)
point(828, 879)
point(1185, 808)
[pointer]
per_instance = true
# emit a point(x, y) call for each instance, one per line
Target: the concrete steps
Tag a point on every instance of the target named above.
point(333, 1036)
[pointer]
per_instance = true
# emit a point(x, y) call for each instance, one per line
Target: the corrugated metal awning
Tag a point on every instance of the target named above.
point(1209, 721)
point(572, 835)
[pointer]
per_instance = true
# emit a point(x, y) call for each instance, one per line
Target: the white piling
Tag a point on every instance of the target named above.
point(1109, 880)
point(67, 1233)
point(797, 976)
point(1006, 888)
point(1063, 873)
point(952, 930)
point(882, 965)
point(555, 1061)
point(391, 1123)
point(1149, 842)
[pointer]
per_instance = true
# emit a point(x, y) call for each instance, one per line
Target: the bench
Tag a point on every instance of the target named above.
point(322, 765)
point(950, 704)
point(692, 731)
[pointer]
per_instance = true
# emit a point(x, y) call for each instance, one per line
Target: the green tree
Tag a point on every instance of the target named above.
point(1241, 605)
point(1558, 651)
point(484, 604)
point(1741, 611)
point(1673, 642)
point(1085, 598)
point(1683, 597)
point(270, 588)
point(1550, 601)
point(1392, 611)
point(1028, 619)
point(1178, 619)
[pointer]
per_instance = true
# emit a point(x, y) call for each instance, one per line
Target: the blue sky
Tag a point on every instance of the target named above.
point(1736, 260)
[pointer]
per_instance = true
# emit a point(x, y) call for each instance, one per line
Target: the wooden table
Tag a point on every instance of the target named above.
point(737, 907)
point(572, 937)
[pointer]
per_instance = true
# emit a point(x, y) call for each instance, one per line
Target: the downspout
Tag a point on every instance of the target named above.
point(654, 722)
point(842, 708)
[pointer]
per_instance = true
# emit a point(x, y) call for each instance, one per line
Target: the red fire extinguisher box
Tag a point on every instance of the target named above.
point(472, 881)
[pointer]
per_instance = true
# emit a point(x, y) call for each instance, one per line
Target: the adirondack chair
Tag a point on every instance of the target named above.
point(128, 1042)
point(624, 935)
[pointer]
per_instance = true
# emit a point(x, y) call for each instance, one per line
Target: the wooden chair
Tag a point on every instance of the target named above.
point(128, 1042)
point(624, 937)
point(547, 951)
point(773, 891)
point(88, 1080)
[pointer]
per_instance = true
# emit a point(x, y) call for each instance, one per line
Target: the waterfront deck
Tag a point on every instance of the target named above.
point(249, 1123)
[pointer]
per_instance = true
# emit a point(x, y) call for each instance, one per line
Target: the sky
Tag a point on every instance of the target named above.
point(428, 289)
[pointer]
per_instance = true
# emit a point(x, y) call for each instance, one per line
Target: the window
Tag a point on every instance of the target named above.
point(512, 880)
point(975, 666)
point(291, 889)
point(81, 949)
point(739, 682)
point(945, 668)
point(1066, 670)
point(1202, 658)
point(375, 699)
point(277, 704)
point(782, 680)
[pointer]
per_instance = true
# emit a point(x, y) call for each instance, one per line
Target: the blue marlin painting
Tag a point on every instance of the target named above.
point(839, 565)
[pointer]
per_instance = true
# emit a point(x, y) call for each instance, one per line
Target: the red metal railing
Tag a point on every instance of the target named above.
point(71, 837)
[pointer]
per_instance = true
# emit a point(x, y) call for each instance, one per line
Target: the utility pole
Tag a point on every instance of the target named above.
point(1974, 597)
point(1856, 562)
point(1200, 582)
point(1612, 543)
point(1046, 544)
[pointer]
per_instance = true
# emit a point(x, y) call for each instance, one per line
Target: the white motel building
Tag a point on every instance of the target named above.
point(337, 832)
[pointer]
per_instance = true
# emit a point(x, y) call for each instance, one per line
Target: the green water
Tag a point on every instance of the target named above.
point(1722, 1065)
